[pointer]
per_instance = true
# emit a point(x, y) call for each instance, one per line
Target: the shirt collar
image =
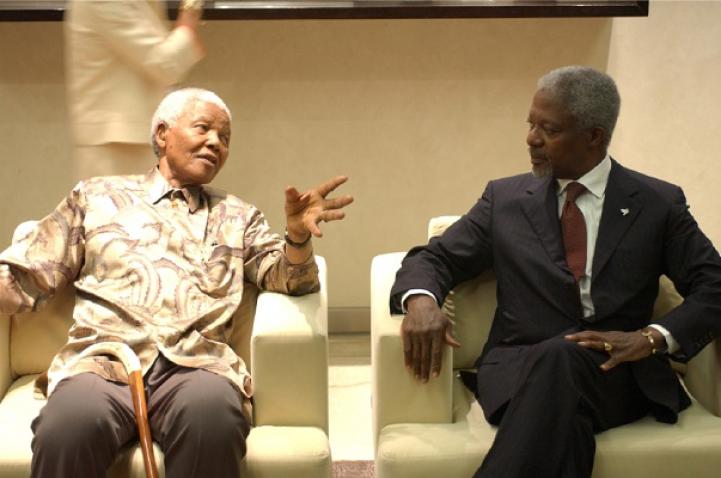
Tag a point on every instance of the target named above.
point(158, 187)
point(595, 180)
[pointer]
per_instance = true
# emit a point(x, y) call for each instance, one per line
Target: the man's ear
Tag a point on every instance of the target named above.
point(597, 138)
point(161, 133)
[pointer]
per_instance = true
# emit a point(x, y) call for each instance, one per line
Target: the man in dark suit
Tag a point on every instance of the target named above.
point(577, 247)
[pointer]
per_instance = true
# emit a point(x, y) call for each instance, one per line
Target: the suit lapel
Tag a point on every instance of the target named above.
point(540, 207)
point(620, 210)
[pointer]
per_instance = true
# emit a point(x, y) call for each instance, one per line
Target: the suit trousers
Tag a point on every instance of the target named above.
point(556, 403)
point(195, 416)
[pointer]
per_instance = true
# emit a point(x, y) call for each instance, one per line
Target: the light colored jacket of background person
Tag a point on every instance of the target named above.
point(121, 58)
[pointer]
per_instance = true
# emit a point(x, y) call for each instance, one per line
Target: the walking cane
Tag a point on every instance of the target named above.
point(137, 391)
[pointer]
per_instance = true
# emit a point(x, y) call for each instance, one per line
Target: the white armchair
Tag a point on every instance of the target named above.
point(284, 339)
point(438, 429)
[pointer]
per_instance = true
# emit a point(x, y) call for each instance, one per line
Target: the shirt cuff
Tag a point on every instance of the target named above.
point(671, 345)
point(414, 292)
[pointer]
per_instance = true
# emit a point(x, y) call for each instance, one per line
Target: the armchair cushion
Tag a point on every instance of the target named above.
point(456, 449)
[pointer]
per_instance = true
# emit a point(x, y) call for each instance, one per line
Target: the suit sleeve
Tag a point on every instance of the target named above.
point(694, 266)
point(461, 253)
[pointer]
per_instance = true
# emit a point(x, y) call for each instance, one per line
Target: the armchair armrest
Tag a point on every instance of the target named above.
point(289, 358)
point(702, 374)
point(6, 374)
point(397, 396)
point(5, 371)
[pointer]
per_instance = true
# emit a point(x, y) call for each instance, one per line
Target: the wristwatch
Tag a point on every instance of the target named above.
point(298, 245)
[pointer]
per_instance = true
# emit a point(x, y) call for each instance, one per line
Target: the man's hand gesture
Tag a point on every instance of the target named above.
point(305, 211)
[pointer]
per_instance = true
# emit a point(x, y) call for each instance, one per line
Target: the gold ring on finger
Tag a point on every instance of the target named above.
point(607, 347)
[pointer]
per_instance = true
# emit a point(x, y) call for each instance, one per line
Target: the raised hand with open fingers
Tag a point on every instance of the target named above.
point(305, 211)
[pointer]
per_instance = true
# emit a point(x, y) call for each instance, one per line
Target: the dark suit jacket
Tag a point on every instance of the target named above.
point(514, 229)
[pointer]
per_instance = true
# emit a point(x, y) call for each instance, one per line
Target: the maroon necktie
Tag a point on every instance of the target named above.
point(574, 231)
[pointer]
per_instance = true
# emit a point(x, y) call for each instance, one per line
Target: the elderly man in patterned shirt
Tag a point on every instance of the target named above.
point(159, 262)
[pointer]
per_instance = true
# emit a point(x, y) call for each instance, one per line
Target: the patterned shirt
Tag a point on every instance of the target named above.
point(157, 268)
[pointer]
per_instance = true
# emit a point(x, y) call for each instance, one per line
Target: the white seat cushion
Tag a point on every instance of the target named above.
point(17, 410)
point(692, 447)
point(298, 452)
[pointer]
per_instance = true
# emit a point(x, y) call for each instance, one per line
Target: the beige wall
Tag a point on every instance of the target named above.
point(669, 71)
point(420, 114)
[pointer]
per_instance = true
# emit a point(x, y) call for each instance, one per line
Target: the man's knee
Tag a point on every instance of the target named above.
point(560, 361)
point(558, 349)
point(208, 410)
point(78, 421)
point(73, 428)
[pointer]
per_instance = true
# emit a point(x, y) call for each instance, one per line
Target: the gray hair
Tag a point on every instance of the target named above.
point(589, 95)
point(175, 103)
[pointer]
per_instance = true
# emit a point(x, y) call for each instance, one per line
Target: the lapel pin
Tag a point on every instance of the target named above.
point(625, 211)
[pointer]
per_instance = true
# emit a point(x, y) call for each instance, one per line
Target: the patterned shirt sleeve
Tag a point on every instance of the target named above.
point(45, 259)
point(267, 266)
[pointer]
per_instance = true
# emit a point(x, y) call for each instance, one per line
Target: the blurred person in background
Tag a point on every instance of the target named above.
point(121, 59)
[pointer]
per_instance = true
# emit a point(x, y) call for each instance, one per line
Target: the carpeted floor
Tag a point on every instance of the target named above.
point(353, 469)
point(349, 378)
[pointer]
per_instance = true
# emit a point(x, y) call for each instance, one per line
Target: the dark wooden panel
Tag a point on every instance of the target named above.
point(52, 10)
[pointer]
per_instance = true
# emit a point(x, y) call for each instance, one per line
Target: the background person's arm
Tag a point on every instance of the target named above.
point(130, 30)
